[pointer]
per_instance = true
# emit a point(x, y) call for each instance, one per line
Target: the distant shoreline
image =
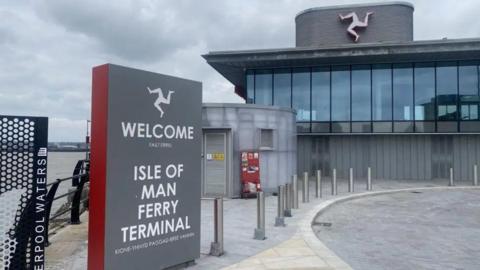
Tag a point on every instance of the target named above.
point(66, 150)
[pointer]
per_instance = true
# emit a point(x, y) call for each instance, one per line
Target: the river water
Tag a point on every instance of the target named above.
point(61, 165)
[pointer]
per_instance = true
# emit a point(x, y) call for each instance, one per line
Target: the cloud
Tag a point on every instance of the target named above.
point(133, 30)
point(62, 128)
point(47, 48)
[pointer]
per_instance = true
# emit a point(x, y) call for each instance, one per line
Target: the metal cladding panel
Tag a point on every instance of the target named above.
point(277, 164)
point(400, 157)
point(466, 155)
point(215, 169)
point(323, 26)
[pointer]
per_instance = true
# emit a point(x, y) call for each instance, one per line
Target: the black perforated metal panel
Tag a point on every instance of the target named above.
point(22, 146)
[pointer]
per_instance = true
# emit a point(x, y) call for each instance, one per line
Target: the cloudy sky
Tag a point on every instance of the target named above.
point(47, 48)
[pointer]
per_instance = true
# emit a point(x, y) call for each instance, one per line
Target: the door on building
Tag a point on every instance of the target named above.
point(215, 163)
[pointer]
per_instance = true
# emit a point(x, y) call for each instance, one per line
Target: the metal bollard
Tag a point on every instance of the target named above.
point(450, 183)
point(288, 200)
point(279, 220)
point(318, 186)
point(259, 233)
point(475, 175)
point(369, 179)
point(295, 192)
point(306, 189)
point(334, 182)
point(350, 180)
point(216, 247)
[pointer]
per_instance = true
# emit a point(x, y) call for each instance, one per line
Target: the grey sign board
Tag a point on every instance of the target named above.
point(153, 155)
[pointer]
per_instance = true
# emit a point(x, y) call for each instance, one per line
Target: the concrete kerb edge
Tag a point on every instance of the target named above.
point(305, 230)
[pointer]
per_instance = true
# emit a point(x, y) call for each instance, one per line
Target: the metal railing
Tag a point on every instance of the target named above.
point(79, 179)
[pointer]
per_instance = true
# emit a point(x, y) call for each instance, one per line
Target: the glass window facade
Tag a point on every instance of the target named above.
point(424, 97)
point(447, 91)
point(382, 92)
point(250, 86)
point(468, 91)
point(340, 93)
point(263, 87)
point(469, 96)
point(301, 94)
point(282, 88)
point(424, 91)
point(381, 98)
point(402, 92)
point(361, 93)
point(321, 94)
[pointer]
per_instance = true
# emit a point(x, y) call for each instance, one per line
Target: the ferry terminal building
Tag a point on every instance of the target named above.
point(408, 109)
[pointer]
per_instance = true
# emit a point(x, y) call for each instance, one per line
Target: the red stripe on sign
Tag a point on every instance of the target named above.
point(98, 168)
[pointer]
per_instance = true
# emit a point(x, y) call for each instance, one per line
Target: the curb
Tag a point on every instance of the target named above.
point(305, 225)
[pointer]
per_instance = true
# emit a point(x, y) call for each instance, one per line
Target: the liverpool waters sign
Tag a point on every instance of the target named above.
point(23, 191)
point(145, 170)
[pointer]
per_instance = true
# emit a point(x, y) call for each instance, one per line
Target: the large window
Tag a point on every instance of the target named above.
point(402, 92)
point(250, 86)
point(424, 91)
point(403, 98)
point(321, 94)
point(340, 93)
point(282, 88)
point(447, 96)
point(382, 98)
point(468, 82)
point(382, 92)
point(263, 87)
point(361, 85)
point(301, 93)
point(468, 90)
point(447, 91)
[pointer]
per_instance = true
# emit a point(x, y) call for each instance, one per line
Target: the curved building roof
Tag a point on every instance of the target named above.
point(401, 3)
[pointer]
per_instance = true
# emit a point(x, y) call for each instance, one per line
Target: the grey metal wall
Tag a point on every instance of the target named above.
point(216, 171)
point(415, 157)
point(245, 122)
point(391, 22)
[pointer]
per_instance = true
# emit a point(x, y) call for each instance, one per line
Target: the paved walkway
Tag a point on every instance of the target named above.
point(68, 249)
point(292, 247)
point(428, 229)
point(294, 253)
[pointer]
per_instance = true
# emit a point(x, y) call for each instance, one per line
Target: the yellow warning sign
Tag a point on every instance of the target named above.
point(218, 156)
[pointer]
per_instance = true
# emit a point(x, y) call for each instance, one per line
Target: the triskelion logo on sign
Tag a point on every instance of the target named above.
point(160, 99)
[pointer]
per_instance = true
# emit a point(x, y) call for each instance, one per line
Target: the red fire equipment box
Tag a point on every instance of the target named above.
point(250, 173)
